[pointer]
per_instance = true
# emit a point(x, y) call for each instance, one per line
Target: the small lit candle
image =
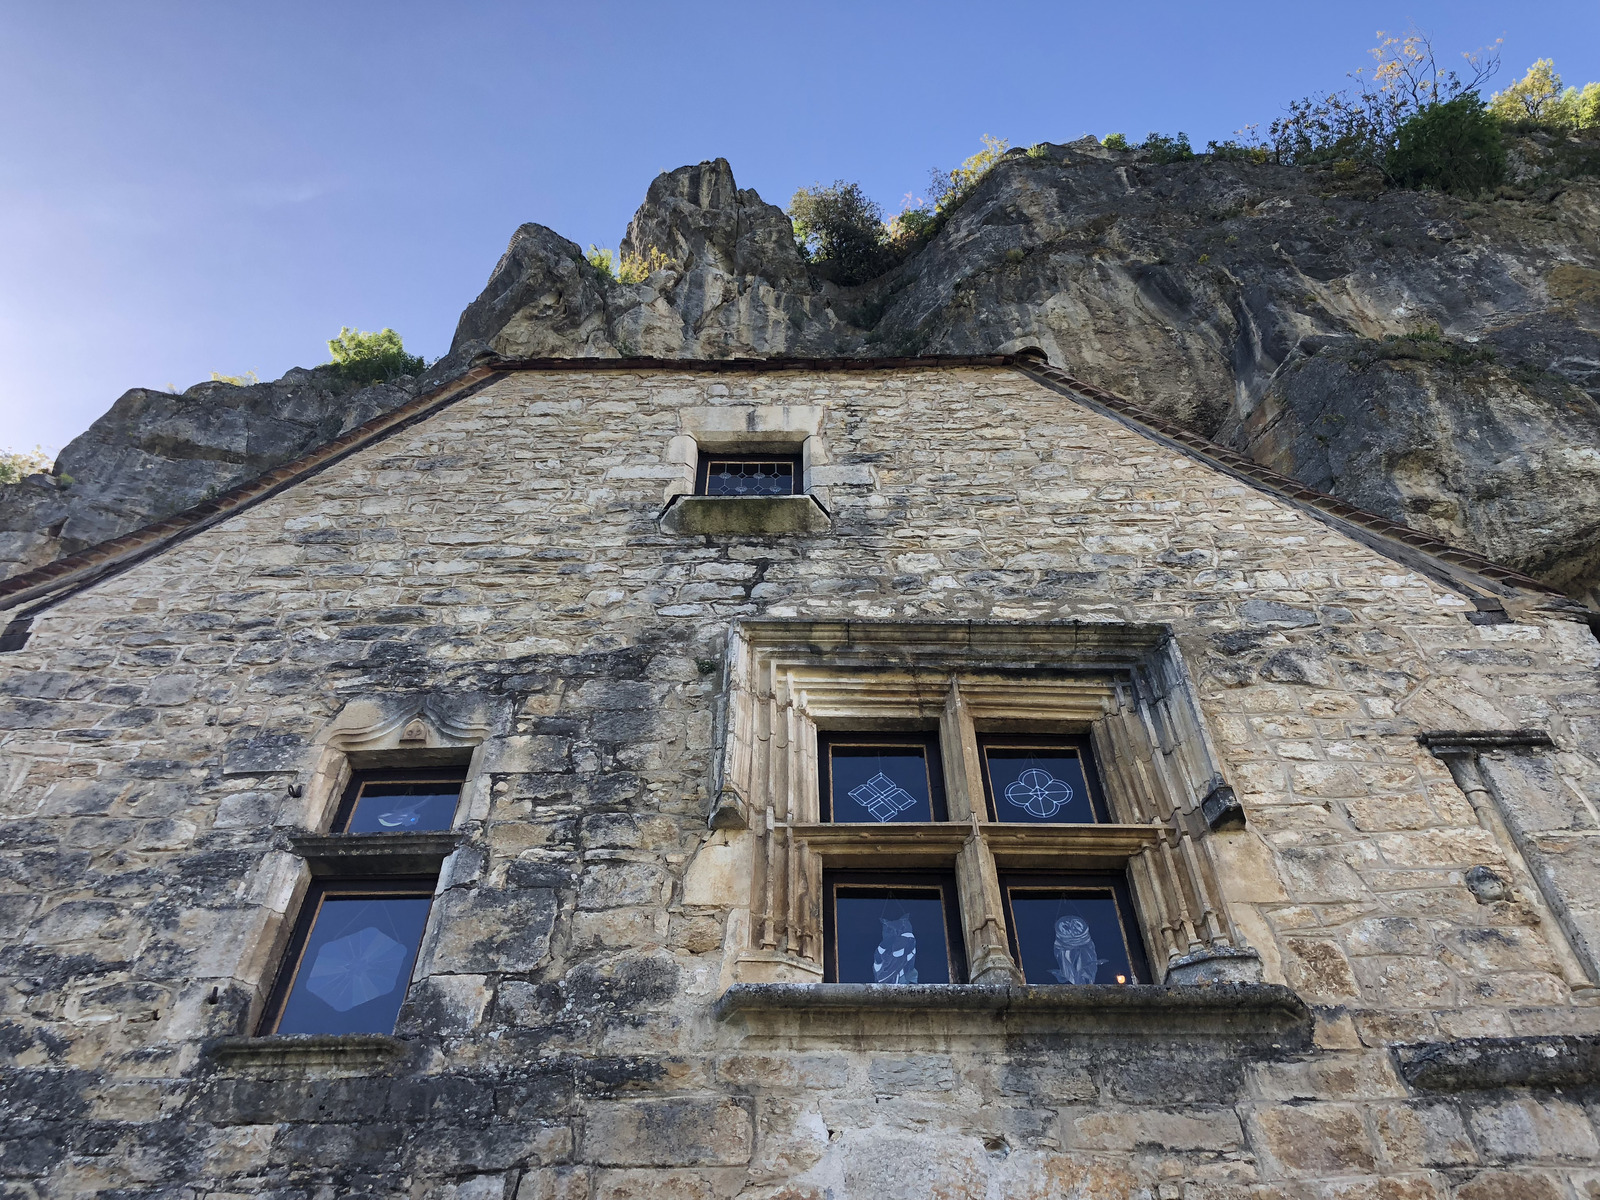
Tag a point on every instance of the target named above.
point(1122, 979)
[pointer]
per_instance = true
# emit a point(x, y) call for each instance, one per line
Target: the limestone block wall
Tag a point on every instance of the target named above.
point(162, 735)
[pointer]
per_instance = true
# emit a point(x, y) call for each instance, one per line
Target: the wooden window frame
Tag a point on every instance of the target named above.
point(346, 810)
point(928, 740)
point(320, 889)
point(944, 881)
point(1067, 880)
point(1122, 689)
point(1081, 743)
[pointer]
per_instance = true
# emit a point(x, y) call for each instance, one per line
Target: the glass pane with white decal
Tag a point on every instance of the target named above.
point(416, 801)
point(1073, 929)
point(1041, 781)
point(892, 928)
point(881, 778)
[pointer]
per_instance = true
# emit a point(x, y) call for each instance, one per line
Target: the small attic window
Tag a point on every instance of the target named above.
point(748, 475)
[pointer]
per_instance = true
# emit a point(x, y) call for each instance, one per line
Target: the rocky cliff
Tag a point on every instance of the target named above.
point(1432, 359)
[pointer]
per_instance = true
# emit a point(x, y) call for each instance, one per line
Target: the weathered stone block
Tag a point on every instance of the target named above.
point(482, 930)
point(667, 1133)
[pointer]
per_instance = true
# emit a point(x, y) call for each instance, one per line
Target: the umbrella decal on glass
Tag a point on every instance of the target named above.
point(354, 969)
point(404, 816)
point(1039, 793)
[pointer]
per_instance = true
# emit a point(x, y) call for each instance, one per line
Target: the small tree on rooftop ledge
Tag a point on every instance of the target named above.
point(364, 358)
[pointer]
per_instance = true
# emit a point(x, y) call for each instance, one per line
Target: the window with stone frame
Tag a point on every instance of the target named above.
point(354, 945)
point(1044, 790)
point(773, 474)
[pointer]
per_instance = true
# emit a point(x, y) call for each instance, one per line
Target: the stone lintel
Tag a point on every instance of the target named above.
point(748, 515)
point(375, 853)
point(1466, 741)
point(1249, 1010)
point(1479, 1064)
point(344, 1050)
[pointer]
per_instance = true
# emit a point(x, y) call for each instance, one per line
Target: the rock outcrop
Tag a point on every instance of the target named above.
point(1268, 307)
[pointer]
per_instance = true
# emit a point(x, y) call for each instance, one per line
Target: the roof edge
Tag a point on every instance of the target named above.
point(1455, 567)
point(1445, 563)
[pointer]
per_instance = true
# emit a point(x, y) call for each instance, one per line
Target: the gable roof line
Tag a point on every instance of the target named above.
point(55, 581)
point(1445, 563)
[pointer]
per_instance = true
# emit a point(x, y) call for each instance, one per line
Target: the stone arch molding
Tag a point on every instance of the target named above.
point(409, 722)
point(409, 730)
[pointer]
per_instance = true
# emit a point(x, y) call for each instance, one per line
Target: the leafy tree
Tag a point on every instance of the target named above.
point(839, 224)
point(1115, 141)
point(1534, 97)
point(364, 358)
point(1453, 146)
point(949, 190)
point(1538, 98)
point(17, 465)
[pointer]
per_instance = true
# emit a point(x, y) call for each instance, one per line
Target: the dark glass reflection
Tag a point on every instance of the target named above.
point(893, 936)
point(726, 477)
point(355, 966)
point(1037, 785)
point(879, 783)
point(1070, 937)
point(404, 807)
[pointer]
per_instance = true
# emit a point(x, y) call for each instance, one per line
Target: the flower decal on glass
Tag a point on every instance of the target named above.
point(895, 960)
point(1039, 793)
point(1076, 961)
point(354, 969)
point(882, 797)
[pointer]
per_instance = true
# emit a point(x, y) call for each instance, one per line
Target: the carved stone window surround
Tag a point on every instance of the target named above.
point(368, 733)
point(1124, 686)
point(752, 429)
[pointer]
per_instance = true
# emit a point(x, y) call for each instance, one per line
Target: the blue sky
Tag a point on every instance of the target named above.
point(198, 187)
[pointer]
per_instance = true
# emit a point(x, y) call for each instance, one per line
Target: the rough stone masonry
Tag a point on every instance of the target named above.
point(1413, 741)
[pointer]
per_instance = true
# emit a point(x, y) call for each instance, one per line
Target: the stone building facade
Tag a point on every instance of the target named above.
point(1345, 785)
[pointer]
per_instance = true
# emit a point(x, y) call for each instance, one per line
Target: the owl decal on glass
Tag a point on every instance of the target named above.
point(1076, 960)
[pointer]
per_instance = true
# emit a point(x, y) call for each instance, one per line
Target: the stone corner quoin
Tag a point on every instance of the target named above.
point(493, 590)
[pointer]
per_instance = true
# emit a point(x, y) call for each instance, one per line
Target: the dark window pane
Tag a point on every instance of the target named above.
point(1070, 937)
point(891, 936)
point(401, 807)
point(1038, 785)
point(352, 973)
point(879, 782)
point(747, 477)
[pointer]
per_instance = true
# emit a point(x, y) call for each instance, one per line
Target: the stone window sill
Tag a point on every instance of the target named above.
point(751, 515)
point(374, 853)
point(347, 1050)
point(1249, 1011)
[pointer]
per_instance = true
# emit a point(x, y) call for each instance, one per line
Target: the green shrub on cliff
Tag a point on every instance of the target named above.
point(365, 358)
point(840, 224)
point(1163, 150)
point(1454, 146)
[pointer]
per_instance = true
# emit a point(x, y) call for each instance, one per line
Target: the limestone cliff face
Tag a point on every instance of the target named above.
point(1248, 302)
